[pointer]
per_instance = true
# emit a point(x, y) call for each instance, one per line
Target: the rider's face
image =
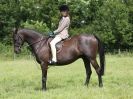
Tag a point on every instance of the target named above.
point(64, 13)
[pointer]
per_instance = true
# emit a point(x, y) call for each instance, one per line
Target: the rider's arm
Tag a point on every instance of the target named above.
point(65, 23)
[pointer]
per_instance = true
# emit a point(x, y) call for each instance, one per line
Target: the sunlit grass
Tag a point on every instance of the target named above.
point(21, 79)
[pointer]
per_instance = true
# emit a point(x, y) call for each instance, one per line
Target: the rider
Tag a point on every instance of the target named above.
point(61, 32)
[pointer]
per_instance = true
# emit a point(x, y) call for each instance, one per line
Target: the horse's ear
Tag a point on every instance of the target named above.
point(15, 30)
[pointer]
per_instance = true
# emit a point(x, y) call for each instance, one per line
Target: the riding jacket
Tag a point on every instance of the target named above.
point(62, 30)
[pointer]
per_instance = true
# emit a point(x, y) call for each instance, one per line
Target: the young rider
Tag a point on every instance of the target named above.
point(61, 32)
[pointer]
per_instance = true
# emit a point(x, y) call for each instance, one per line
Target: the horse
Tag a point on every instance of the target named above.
point(83, 46)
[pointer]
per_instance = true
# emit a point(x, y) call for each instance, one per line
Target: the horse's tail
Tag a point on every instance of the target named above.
point(101, 56)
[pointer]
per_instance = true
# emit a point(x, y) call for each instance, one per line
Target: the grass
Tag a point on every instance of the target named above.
point(21, 79)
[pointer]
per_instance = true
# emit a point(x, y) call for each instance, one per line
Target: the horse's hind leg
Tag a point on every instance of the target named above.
point(97, 68)
point(88, 69)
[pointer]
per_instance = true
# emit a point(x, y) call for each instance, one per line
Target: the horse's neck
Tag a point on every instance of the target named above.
point(31, 38)
point(34, 40)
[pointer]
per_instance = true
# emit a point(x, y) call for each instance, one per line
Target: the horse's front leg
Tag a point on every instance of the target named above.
point(44, 68)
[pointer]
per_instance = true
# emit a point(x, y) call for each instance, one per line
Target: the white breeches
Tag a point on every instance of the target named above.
point(53, 47)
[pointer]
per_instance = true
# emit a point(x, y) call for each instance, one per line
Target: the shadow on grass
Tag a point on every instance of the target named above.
point(49, 87)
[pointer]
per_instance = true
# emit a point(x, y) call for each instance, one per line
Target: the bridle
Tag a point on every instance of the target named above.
point(19, 37)
point(18, 43)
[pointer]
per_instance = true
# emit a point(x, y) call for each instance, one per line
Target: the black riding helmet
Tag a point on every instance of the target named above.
point(63, 8)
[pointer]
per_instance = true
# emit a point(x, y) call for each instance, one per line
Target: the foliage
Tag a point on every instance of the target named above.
point(111, 20)
point(36, 25)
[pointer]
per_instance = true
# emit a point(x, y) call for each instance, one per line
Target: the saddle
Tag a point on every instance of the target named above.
point(59, 45)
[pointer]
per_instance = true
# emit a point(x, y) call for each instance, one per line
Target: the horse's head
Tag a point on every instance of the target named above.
point(18, 41)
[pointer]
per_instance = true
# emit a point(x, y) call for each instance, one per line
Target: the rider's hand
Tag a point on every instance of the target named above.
point(51, 34)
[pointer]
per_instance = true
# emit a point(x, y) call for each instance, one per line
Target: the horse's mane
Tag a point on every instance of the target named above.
point(32, 31)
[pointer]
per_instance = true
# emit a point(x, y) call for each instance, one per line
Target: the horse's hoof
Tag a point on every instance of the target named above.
point(86, 84)
point(43, 89)
point(100, 85)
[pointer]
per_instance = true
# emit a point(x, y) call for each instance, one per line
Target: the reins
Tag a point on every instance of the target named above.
point(36, 41)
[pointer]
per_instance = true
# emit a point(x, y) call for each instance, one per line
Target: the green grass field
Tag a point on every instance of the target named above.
point(21, 79)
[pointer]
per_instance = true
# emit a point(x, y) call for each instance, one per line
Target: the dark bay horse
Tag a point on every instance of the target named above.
point(80, 46)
